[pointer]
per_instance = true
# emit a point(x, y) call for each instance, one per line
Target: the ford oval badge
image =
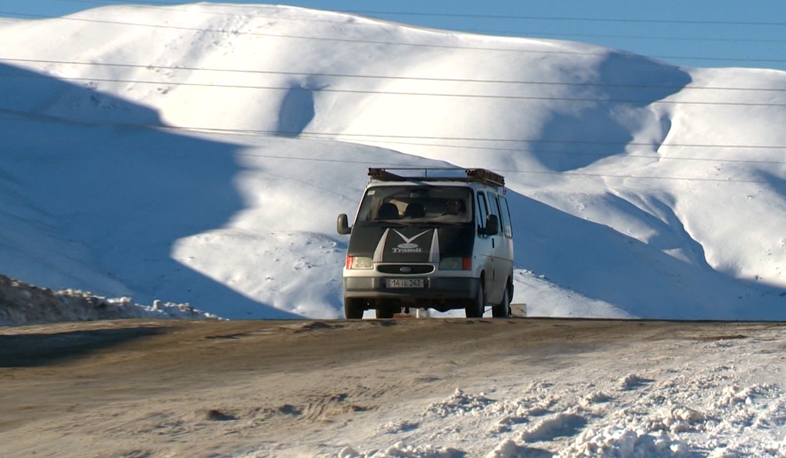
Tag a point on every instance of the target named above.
point(405, 270)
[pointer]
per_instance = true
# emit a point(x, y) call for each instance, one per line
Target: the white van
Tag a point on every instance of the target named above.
point(429, 238)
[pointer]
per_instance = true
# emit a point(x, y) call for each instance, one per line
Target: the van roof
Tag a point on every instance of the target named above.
point(445, 175)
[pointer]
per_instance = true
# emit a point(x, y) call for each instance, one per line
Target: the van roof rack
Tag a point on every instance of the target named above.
point(484, 176)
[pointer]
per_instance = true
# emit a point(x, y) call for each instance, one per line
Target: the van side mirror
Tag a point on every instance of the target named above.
point(342, 225)
point(492, 226)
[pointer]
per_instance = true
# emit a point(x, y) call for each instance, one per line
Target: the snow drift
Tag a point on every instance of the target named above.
point(24, 304)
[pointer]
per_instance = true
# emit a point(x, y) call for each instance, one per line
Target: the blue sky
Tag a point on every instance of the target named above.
point(699, 33)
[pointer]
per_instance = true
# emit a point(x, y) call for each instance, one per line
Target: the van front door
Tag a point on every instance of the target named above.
point(486, 245)
point(503, 249)
point(497, 241)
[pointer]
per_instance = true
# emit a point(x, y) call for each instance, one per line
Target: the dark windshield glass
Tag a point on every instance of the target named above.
point(416, 204)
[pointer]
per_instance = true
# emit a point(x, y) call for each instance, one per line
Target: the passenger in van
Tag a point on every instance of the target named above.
point(387, 210)
point(415, 210)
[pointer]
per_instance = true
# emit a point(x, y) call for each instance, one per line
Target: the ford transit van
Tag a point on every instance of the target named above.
point(429, 238)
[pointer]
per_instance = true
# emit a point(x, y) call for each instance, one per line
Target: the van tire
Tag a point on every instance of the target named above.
point(502, 310)
point(475, 308)
point(385, 311)
point(353, 308)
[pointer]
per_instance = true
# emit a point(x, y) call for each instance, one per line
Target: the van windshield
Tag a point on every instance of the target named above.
point(416, 204)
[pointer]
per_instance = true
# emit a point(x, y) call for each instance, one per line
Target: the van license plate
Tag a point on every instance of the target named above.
point(405, 283)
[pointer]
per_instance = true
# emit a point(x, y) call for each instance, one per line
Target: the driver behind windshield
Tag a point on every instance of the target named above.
point(455, 207)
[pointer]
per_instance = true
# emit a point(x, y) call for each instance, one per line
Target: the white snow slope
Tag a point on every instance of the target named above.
point(201, 153)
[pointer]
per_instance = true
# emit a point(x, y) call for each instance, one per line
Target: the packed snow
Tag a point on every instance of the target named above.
point(714, 398)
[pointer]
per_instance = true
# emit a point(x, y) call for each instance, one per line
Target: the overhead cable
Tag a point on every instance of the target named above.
point(380, 77)
point(374, 42)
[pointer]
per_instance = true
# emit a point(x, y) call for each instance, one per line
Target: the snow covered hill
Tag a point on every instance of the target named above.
point(200, 153)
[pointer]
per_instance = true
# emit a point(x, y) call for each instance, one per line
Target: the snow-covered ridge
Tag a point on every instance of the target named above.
point(643, 188)
point(24, 304)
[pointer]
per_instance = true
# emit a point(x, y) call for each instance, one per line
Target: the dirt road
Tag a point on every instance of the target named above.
point(176, 388)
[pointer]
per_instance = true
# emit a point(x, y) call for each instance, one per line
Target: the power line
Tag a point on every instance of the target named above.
point(617, 155)
point(572, 19)
point(409, 94)
point(38, 117)
point(620, 154)
point(599, 175)
point(171, 6)
point(376, 163)
point(383, 77)
point(506, 17)
point(373, 42)
point(517, 171)
point(421, 94)
point(364, 137)
point(632, 37)
point(580, 174)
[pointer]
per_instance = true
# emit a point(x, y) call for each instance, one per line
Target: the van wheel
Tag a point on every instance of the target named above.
point(353, 308)
point(502, 310)
point(475, 309)
point(386, 310)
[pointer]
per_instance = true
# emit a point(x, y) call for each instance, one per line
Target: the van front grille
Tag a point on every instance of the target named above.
point(406, 269)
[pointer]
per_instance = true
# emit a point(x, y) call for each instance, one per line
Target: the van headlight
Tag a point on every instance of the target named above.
point(455, 264)
point(359, 263)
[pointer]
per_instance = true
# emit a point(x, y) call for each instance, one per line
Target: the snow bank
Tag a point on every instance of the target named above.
point(721, 407)
point(21, 303)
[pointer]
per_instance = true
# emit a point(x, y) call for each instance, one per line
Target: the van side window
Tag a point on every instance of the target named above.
point(504, 213)
point(497, 210)
point(494, 206)
point(483, 209)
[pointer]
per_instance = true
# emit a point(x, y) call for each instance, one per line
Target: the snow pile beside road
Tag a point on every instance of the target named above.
point(727, 407)
point(21, 303)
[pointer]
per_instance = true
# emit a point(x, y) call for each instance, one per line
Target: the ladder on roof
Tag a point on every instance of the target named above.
point(484, 176)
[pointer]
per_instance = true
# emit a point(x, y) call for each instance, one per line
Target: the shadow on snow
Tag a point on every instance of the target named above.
point(599, 125)
point(95, 194)
point(601, 263)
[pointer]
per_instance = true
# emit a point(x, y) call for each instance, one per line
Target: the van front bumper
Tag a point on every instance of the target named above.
point(436, 290)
